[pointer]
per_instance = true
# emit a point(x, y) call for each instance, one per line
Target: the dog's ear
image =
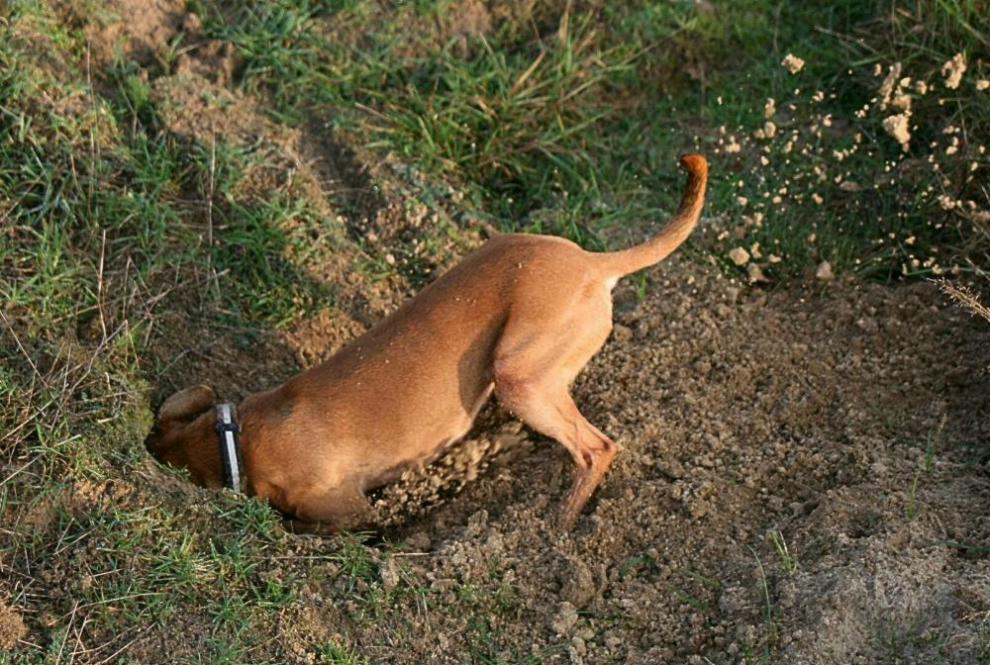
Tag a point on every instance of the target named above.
point(174, 414)
point(182, 435)
point(186, 405)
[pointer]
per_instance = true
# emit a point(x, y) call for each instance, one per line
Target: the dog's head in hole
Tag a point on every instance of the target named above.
point(185, 435)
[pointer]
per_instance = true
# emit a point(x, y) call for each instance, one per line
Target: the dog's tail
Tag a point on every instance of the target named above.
point(676, 231)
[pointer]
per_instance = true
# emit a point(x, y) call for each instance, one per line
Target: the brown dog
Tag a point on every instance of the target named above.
point(520, 317)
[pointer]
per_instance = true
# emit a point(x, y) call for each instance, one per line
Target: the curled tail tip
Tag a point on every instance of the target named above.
point(695, 164)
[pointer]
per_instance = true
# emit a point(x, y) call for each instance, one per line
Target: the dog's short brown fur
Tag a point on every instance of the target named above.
point(519, 317)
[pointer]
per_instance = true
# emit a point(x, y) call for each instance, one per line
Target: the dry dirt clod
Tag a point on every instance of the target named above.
point(12, 626)
point(953, 70)
point(755, 273)
point(792, 63)
point(898, 128)
point(579, 584)
point(739, 256)
point(565, 619)
point(621, 333)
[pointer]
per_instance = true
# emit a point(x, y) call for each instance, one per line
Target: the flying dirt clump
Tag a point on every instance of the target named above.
point(792, 63)
point(898, 127)
point(890, 82)
point(739, 256)
point(953, 71)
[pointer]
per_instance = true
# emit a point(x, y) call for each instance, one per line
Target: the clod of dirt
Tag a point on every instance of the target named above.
point(12, 626)
point(579, 584)
point(792, 63)
point(953, 70)
point(621, 332)
point(898, 128)
point(755, 273)
point(565, 619)
point(739, 256)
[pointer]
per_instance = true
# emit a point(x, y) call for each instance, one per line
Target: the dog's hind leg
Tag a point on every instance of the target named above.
point(550, 410)
point(533, 369)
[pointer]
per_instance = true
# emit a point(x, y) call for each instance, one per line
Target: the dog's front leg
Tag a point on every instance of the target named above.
point(329, 511)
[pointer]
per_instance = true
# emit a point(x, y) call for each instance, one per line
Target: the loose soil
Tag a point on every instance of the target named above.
point(847, 420)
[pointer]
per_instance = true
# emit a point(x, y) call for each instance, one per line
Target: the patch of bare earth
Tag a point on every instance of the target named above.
point(137, 29)
point(12, 626)
point(454, 26)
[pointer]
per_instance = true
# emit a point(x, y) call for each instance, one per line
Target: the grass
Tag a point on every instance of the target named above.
point(336, 655)
point(787, 560)
point(118, 235)
point(571, 127)
point(770, 625)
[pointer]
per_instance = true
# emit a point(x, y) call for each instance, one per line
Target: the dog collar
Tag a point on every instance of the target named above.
point(228, 435)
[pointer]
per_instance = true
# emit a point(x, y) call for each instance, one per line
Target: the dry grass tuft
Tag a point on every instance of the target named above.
point(964, 297)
